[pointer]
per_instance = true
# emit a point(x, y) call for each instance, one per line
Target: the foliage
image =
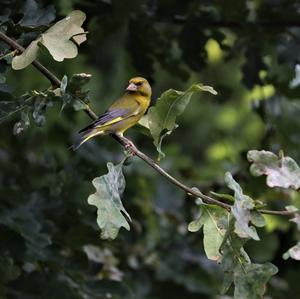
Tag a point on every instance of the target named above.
point(241, 210)
point(50, 245)
point(212, 219)
point(57, 39)
point(160, 119)
point(281, 172)
point(107, 200)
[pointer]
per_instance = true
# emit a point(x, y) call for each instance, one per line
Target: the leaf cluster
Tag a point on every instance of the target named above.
point(50, 245)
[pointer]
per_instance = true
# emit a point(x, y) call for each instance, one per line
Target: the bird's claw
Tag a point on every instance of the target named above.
point(130, 148)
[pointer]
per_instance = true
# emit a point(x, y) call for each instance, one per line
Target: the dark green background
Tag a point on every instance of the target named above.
point(246, 50)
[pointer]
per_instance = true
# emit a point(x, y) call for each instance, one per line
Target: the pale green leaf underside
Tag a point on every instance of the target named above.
point(293, 252)
point(241, 210)
point(57, 39)
point(27, 57)
point(107, 199)
point(280, 171)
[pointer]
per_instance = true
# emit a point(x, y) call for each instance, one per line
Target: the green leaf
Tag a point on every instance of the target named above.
point(233, 255)
point(22, 220)
point(77, 81)
point(80, 96)
point(40, 102)
point(107, 199)
point(39, 110)
point(293, 252)
point(72, 91)
point(161, 118)
point(65, 96)
point(7, 266)
point(23, 124)
point(250, 281)
point(257, 219)
point(35, 16)
point(27, 57)
point(241, 210)
point(57, 39)
point(63, 84)
point(211, 218)
point(280, 171)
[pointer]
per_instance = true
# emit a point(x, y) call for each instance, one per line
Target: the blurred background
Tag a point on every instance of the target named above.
point(247, 50)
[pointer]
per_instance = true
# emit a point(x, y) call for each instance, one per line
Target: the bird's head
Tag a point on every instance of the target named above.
point(139, 85)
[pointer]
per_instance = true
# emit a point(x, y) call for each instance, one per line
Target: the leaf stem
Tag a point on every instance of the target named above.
point(81, 33)
point(12, 53)
point(128, 144)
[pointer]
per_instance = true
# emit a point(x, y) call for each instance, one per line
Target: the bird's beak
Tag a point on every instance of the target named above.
point(131, 87)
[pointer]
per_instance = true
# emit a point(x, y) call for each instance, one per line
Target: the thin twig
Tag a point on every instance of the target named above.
point(279, 213)
point(10, 54)
point(81, 33)
point(127, 143)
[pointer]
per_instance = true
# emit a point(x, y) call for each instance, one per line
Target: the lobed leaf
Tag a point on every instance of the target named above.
point(250, 281)
point(27, 57)
point(241, 210)
point(210, 218)
point(280, 171)
point(57, 39)
point(293, 252)
point(161, 118)
point(107, 199)
point(233, 255)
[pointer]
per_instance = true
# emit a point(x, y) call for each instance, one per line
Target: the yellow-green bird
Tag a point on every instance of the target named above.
point(122, 114)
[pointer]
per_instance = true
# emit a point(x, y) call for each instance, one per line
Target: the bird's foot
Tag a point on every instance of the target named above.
point(130, 148)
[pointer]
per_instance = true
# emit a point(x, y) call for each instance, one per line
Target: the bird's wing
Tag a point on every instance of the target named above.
point(115, 114)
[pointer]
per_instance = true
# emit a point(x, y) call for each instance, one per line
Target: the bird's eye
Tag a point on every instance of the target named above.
point(138, 83)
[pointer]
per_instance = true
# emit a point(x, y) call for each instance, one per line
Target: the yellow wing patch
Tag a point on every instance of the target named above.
point(115, 120)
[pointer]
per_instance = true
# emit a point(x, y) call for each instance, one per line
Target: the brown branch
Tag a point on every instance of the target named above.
point(128, 144)
point(279, 213)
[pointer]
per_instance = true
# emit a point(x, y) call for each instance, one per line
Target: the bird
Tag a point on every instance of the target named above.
point(124, 113)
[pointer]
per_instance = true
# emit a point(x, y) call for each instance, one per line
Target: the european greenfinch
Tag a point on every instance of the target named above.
point(122, 114)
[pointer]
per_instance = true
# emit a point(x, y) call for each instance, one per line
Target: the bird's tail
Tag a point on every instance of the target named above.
point(85, 137)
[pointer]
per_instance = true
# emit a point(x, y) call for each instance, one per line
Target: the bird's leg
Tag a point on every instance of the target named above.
point(128, 144)
point(130, 147)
